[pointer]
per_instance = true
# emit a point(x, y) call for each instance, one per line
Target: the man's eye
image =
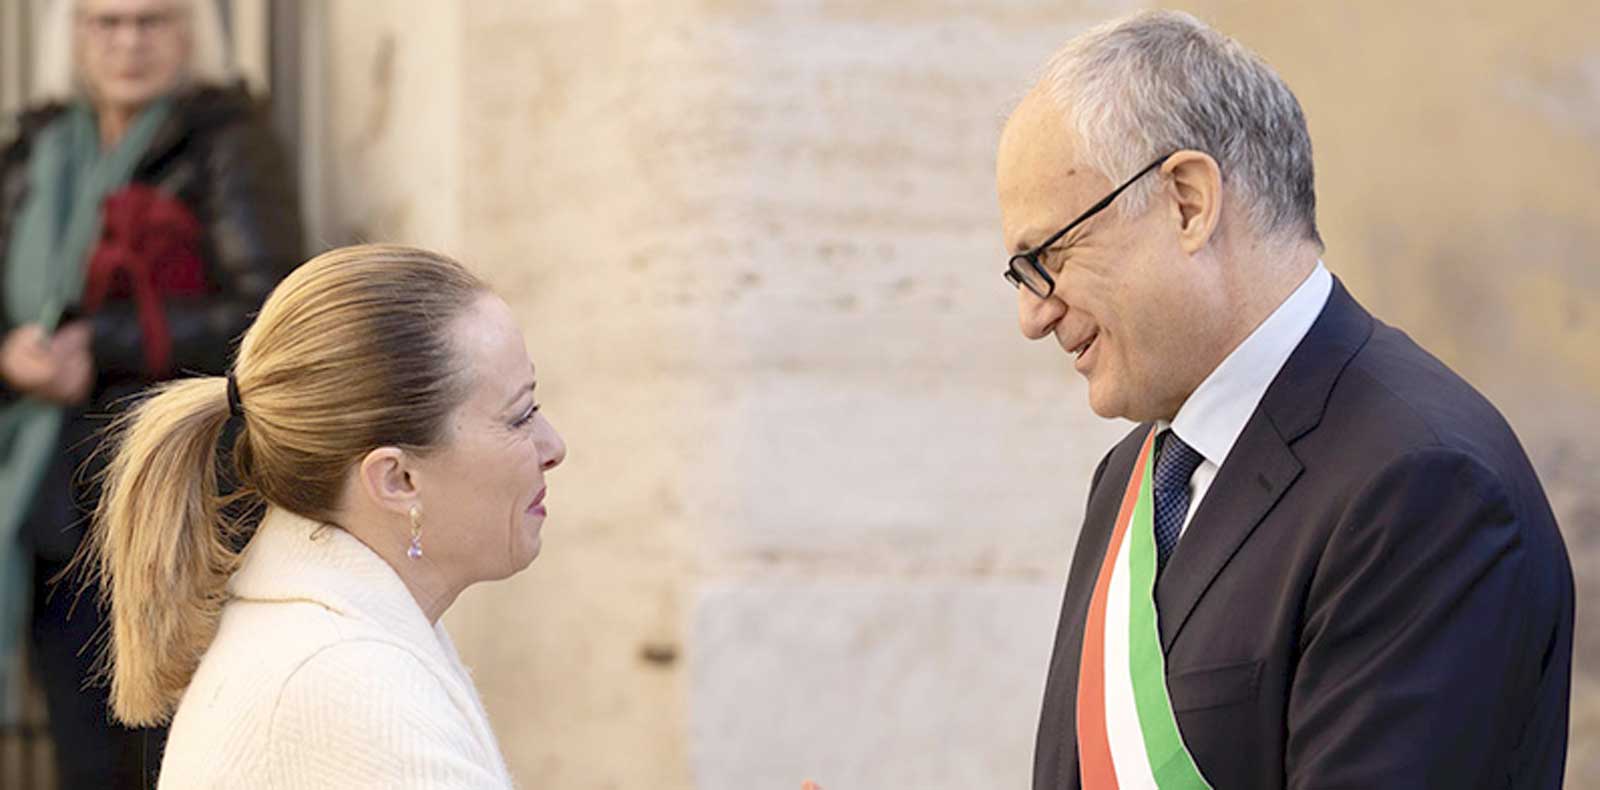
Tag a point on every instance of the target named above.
point(1053, 259)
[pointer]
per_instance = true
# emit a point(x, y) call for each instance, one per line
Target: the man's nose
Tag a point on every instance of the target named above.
point(1037, 317)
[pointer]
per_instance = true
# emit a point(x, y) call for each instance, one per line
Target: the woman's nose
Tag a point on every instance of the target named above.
point(552, 448)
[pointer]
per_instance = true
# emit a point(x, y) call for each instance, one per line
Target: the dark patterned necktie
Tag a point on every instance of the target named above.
point(1175, 464)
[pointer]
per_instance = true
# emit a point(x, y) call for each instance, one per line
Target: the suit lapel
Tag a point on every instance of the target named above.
point(1236, 502)
point(1261, 466)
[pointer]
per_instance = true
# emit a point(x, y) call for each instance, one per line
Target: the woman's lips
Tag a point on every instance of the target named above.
point(537, 507)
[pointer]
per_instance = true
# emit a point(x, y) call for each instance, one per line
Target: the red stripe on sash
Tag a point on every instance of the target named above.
point(1095, 768)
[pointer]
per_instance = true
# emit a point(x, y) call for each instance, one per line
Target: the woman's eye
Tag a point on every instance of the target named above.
point(527, 416)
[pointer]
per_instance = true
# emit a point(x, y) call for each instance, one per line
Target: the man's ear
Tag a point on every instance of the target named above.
point(387, 480)
point(1197, 192)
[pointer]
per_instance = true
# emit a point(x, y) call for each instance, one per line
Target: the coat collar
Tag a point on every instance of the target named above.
point(293, 558)
point(1262, 466)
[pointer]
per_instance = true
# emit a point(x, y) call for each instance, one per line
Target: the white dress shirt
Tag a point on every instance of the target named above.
point(1212, 418)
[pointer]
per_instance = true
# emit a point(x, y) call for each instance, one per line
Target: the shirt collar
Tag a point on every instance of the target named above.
point(1212, 418)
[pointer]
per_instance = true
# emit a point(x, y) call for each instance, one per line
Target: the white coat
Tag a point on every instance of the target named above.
point(325, 673)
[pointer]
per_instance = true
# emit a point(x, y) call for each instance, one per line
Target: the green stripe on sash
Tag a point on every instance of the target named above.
point(1170, 762)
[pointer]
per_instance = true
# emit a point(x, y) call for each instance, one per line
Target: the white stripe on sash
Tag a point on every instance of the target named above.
point(1123, 732)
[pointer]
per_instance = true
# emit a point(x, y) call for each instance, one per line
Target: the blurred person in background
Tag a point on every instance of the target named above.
point(388, 423)
point(145, 213)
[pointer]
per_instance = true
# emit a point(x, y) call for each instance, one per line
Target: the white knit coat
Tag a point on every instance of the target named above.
point(325, 673)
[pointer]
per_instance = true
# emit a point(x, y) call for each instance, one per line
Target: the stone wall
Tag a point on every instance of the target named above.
point(820, 495)
point(386, 150)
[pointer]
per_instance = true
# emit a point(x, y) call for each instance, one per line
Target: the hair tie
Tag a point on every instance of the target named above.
point(235, 406)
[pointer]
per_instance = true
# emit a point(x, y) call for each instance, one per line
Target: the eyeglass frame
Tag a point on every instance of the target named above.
point(105, 25)
point(1013, 272)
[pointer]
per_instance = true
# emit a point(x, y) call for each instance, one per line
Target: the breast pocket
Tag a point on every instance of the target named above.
point(1214, 687)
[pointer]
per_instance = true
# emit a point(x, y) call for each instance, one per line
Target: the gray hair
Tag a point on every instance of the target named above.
point(1161, 81)
point(57, 78)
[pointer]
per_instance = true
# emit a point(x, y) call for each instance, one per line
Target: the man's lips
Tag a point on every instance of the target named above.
point(538, 502)
point(1078, 347)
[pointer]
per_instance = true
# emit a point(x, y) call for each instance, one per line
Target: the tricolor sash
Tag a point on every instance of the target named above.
point(1127, 733)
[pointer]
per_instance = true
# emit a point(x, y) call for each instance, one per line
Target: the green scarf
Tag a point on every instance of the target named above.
point(53, 235)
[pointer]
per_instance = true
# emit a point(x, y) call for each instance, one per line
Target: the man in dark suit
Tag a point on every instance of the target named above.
point(1357, 580)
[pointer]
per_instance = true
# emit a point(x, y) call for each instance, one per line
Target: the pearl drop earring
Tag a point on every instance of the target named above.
point(415, 552)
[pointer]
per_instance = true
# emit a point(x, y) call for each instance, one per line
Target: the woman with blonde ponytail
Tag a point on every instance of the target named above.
point(389, 438)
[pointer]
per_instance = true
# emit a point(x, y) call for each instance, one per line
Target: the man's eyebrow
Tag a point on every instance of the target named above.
point(1067, 240)
point(1030, 239)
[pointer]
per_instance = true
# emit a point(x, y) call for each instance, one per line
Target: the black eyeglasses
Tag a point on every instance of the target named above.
point(1027, 268)
point(106, 25)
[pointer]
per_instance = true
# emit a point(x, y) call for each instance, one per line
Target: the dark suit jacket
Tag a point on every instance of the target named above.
point(1372, 594)
point(216, 155)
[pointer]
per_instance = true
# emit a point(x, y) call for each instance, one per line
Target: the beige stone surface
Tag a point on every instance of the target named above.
point(391, 123)
point(818, 488)
point(867, 682)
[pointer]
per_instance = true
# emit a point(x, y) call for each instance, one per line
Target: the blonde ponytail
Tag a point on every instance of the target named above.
point(159, 546)
point(351, 351)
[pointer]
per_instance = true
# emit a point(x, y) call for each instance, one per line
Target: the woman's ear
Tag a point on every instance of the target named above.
point(385, 478)
point(1197, 189)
